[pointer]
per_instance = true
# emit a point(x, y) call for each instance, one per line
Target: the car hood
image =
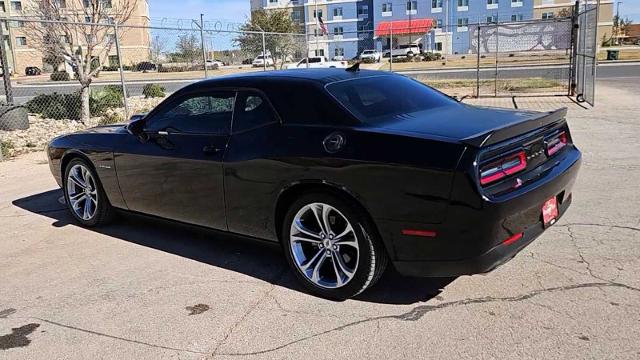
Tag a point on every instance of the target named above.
point(105, 129)
point(460, 122)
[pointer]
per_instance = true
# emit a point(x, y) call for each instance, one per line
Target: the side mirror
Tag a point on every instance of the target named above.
point(136, 126)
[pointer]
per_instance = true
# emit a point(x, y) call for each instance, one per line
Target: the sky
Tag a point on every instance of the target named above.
point(628, 8)
point(235, 11)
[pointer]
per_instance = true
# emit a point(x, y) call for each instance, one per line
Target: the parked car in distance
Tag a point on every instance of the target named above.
point(146, 66)
point(32, 71)
point(214, 64)
point(371, 55)
point(247, 61)
point(262, 60)
point(403, 51)
point(347, 170)
point(318, 62)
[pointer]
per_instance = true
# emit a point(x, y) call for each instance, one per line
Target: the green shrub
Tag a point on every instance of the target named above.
point(109, 97)
point(67, 106)
point(5, 147)
point(56, 106)
point(111, 68)
point(60, 76)
point(111, 117)
point(153, 91)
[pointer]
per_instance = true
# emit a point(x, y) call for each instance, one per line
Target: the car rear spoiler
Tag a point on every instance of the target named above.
point(536, 121)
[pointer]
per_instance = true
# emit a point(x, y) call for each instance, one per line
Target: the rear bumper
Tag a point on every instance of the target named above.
point(484, 263)
point(471, 240)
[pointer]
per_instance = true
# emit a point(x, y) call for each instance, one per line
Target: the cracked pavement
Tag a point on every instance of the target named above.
point(141, 289)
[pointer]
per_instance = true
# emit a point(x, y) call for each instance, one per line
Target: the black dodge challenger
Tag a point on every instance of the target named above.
point(348, 170)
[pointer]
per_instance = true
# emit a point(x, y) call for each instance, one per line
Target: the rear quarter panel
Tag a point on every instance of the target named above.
point(394, 177)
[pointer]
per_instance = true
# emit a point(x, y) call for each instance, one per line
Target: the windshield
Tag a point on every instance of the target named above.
point(374, 100)
point(368, 52)
point(260, 57)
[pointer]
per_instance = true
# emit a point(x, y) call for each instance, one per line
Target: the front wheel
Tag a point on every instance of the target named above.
point(84, 195)
point(333, 248)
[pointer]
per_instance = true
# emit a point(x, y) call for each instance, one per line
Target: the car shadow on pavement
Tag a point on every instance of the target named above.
point(259, 259)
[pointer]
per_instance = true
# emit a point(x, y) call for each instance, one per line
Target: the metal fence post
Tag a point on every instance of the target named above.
point(391, 47)
point(495, 79)
point(122, 82)
point(478, 63)
point(6, 75)
point(204, 47)
point(264, 52)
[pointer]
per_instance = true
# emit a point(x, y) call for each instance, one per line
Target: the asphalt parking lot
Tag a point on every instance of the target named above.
point(142, 289)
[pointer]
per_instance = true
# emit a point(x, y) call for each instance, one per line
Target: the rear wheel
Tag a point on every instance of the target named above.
point(84, 195)
point(332, 247)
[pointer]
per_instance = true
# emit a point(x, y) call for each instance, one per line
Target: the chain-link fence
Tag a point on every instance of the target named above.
point(103, 72)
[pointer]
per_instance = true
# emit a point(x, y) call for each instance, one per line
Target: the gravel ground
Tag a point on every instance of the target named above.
point(147, 290)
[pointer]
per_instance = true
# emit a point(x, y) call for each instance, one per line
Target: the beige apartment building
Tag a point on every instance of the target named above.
point(135, 41)
point(547, 9)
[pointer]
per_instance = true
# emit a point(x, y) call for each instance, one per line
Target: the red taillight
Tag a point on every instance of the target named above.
point(503, 168)
point(557, 143)
point(512, 239)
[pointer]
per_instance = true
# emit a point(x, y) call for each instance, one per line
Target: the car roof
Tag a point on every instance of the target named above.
point(317, 76)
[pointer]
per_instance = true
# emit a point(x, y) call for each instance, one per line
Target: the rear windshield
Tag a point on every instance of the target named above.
point(377, 99)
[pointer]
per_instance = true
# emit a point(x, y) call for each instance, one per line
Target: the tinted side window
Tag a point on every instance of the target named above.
point(198, 113)
point(299, 102)
point(252, 111)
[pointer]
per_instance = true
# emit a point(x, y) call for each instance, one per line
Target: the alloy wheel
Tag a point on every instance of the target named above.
point(82, 192)
point(324, 245)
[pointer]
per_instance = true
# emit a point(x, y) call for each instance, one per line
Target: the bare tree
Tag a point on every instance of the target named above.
point(80, 31)
point(158, 48)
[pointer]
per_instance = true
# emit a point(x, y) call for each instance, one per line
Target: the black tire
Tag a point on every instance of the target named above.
point(104, 212)
point(373, 257)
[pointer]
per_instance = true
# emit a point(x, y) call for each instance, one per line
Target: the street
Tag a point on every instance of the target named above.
point(143, 289)
point(23, 93)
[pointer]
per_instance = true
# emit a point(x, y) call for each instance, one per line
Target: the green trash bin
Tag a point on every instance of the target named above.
point(613, 54)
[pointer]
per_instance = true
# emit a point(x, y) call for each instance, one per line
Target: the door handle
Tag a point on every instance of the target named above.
point(210, 150)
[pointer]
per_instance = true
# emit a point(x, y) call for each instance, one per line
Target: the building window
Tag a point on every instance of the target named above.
point(21, 41)
point(87, 19)
point(16, 6)
point(86, 3)
point(363, 12)
point(439, 24)
point(516, 3)
point(273, 1)
point(319, 52)
point(438, 46)
point(107, 4)
point(493, 19)
point(338, 52)
point(2, 7)
point(517, 17)
point(463, 3)
point(387, 9)
point(547, 15)
point(492, 4)
point(337, 13)
point(412, 7)
point(61, 4)
point(436, 6)
point(338, 31)
point(295, 16)
point(463, 24)
point(317, 14)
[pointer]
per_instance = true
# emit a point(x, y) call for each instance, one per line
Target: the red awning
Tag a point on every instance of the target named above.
point(404, 27)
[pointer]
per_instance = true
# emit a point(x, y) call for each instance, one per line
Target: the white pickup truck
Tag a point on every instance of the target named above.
point(318, 62)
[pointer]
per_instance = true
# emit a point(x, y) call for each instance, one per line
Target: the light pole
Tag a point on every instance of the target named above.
point(618, 22)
